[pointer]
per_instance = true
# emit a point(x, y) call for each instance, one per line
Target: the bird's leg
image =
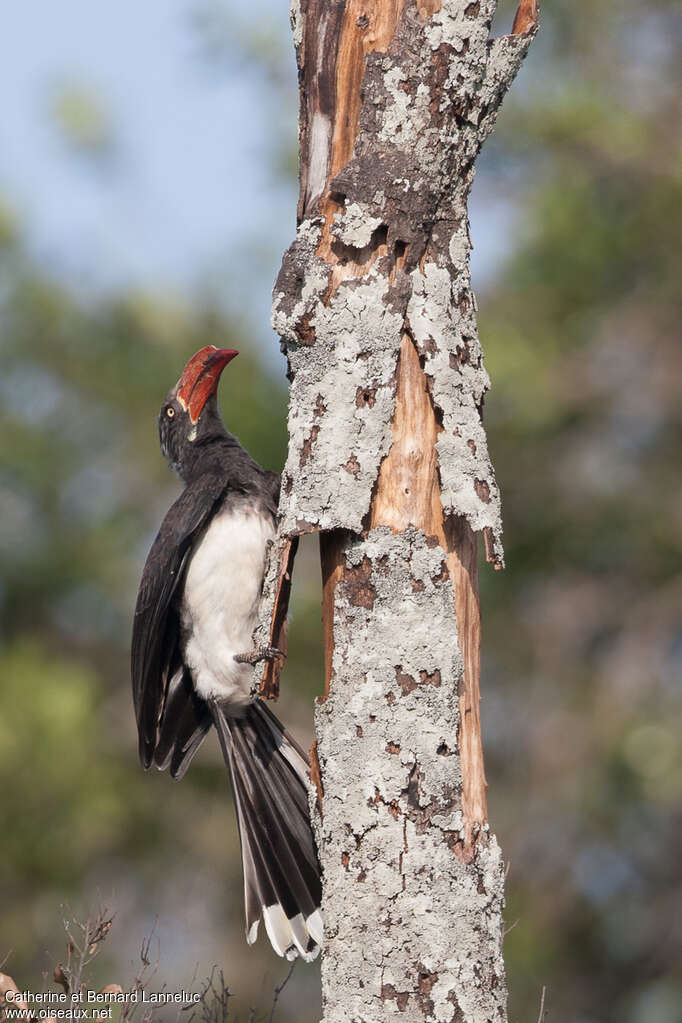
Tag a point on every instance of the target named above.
point(262, 653)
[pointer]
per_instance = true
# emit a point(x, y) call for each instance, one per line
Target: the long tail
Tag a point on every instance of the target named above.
point(269, 775)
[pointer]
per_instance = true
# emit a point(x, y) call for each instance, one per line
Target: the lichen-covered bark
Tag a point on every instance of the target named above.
point(388, 460)
point(411, 927)
point(397, 210)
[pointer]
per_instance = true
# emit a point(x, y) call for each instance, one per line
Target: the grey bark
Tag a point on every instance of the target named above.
point(412, 927)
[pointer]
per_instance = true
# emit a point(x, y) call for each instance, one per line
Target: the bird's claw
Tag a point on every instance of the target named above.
point(263, 653)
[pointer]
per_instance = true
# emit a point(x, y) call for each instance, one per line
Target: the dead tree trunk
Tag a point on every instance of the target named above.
point(388, 461)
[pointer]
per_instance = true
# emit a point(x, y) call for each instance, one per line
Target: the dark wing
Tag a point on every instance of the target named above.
point(184, 722)
point(272, 482)
point(155, 653)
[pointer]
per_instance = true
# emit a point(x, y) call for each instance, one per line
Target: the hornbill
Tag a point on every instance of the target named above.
point(191, 655)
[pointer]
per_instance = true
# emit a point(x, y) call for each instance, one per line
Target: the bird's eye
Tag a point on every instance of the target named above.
point(170, 411)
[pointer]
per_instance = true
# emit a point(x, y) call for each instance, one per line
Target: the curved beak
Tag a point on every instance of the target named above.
point(200, 378)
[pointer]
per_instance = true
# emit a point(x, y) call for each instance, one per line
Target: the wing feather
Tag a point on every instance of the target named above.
point(155, 653)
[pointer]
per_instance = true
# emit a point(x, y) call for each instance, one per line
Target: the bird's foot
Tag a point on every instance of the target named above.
point(263, 653)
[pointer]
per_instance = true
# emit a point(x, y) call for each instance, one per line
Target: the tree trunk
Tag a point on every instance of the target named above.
point(388, 461)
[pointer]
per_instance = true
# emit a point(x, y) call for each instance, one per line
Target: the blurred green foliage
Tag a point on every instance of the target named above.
point(83, 488)
point(582, 637)
point(582, 649)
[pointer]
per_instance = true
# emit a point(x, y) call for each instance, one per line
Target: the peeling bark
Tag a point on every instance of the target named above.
point(388, 461)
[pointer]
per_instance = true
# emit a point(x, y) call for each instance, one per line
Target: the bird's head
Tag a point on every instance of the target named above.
point(189, 414)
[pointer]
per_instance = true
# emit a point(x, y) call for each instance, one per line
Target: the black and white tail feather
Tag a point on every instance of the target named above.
point(269, 776)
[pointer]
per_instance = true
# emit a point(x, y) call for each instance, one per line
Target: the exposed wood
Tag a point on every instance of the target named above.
point(408, 491)
point(526, 19)
point(368, 25)
point(428, 7)
point(337, 38)
point(490, 552)
point(269, 687)
point(463, 566)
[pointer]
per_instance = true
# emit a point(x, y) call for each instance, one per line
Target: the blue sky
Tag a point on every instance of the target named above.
point(190, 201)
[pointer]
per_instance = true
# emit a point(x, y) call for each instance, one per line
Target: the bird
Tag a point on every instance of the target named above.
point(192, 652)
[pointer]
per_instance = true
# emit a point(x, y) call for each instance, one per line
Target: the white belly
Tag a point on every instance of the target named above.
point(220, 603)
